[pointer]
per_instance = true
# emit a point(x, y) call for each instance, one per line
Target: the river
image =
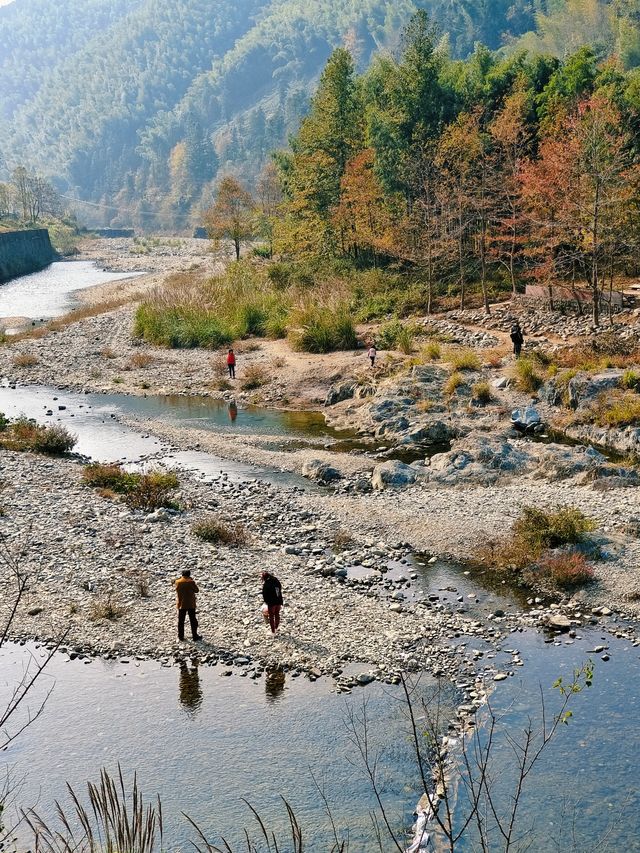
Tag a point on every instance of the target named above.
point(203, 741)
point(50, 292)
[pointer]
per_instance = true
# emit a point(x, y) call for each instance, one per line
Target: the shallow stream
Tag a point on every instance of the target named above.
point(50, 292)
point(203, 741)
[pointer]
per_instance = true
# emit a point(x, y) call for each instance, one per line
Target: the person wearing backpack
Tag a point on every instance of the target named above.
point(272, 597)
point(517, 339)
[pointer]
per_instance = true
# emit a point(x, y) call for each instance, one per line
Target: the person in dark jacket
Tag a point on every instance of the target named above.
point(517, 338)
point(272, 597)
point(186, 589)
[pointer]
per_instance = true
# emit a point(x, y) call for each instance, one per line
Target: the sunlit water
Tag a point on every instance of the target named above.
point(203, 742)
point(49, 293)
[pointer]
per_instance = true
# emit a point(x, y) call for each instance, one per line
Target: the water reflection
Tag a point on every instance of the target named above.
point(190, 689)
point(233, 411)
point(274, 684)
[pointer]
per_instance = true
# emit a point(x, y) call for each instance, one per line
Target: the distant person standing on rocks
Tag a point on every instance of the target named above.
point(373, 352)
point(272, 597)
point(517, 338)
point(231, 364)
point(186, 589)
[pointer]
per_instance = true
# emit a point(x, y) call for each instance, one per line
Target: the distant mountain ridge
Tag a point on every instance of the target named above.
point(136, 106)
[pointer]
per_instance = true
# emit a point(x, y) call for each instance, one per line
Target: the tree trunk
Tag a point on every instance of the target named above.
point(594, 261)
point(236, 243)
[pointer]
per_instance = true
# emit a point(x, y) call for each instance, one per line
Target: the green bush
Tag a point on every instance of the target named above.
point(147, 491)
point(24, 434)
point(320, 329)
point(113, 477)
point(525, 375)
point(539, 529)
point(152, 491)
point(631, 380)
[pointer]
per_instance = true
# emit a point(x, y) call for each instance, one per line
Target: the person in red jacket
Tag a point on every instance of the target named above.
point(272, 597)
point(231, 364)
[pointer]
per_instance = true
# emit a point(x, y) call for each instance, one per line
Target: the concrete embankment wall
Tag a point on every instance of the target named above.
point(24, 252)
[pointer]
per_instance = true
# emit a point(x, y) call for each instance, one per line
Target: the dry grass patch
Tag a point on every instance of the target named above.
point(25, 359)
point(106, 607)
point(482, 392)
point(455, 381)
point(107, 352)
point(140, 360)
point(254, 376)
point(525, 376)
point(217, 531)
point(463, 359)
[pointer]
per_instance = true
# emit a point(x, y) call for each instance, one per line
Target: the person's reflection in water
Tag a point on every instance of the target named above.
point(190, 691)
point(274, 684)
point(233, 410)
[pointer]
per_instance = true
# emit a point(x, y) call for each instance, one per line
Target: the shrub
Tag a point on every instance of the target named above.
point(453, 383)
point(106, 607)
point(540, 529)
point(342, 540)
point(147, 491)
point(141, 584)
point(4, 422)
point(321, 329)
point(152, 491)
point(617, 409)
point(525, 376)
point(482, 392)
point(24, 434)
point(215, 530)
point(254, 376)
point(25, 359)
point(463, 359)
point(631, 380)
point(566, 568)
point(107, 352)
point(112, 477)
point(432, 351)
point(140, 360)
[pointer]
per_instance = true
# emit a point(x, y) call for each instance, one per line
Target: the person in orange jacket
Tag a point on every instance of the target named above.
point(231, 364)
point(186, 589)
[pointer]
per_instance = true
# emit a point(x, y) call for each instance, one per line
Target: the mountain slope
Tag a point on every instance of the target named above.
point(111, 99)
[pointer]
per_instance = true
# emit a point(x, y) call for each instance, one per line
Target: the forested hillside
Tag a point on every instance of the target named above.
point(138, 107)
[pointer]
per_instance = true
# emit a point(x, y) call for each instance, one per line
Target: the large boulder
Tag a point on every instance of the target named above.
point(432, 432)
point(320, 471)
point(479, 458)
point(393, 473)
point(340, 392)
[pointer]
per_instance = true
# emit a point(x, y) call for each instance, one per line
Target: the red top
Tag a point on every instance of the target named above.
point(231, 358)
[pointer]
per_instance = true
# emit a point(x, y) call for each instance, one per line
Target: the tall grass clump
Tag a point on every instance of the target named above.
point(320, 329)
point(188, 312)
point(463, 359)
point(616, 409)
point(526, 376)
point(218, 531)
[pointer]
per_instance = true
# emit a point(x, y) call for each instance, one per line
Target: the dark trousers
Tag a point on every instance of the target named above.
point(232, 371)
point(517, 348)
point(182, 612)
point(274, 617)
